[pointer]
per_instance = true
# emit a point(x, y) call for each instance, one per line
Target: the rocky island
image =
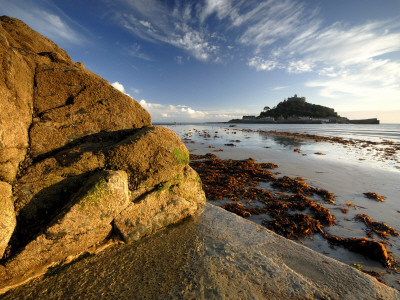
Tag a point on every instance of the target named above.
point(296, 110)
point(82, 167)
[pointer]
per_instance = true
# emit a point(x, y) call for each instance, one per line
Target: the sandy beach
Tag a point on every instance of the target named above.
point(347, 171)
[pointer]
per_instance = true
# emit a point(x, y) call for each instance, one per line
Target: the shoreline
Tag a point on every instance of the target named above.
point(344, 170)
point(371, 121)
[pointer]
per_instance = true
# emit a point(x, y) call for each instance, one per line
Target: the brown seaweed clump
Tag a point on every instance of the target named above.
point(372, 249)
point(293, 226)
point(294, 215)
point(231, 179)
point(241, 209)
point(239, 180)
point(374, 196)
point(380, 229)
point(297, 185)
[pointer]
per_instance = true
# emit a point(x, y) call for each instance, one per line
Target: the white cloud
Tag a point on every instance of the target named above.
point(272, 21)
point(365, 84)
point(277, 88)
point(175, 112)
point(261, 64)
point(193, 41)
point(221, 7)
point(118, 86)
point(352, 61)
point(299, 67)
point(157, 22)
point(184, 113)
point(343, 45)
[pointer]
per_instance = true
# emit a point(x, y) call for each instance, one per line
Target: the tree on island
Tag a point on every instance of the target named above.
point(298, 107)
point(266, 108)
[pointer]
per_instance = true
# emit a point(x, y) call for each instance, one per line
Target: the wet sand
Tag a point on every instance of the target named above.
point(348, 171)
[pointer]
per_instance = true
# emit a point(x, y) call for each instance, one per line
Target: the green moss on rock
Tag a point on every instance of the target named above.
point(181, 156)
point(95, 194)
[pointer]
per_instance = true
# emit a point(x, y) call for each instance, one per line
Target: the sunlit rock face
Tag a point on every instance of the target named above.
point(80, 162)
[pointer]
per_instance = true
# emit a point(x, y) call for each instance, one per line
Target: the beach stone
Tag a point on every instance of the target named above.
point(48, 101)
point(85, 221)
point(72, 103)
point(150, 157)
point(7, 216)
point(169, 203)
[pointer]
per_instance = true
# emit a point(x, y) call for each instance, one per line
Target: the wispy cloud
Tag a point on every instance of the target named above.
point(222, 8)
point(135, 90)
point(179, 59)
point(272, 21)
point(135, 50)
point(156, 22)
point(46, 19)
point(287, 35)
point(261, 64)
point(278, 88)
point(344, 45)
point(365, 84)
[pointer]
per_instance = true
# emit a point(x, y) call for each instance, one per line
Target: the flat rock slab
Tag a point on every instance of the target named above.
point(213, 255)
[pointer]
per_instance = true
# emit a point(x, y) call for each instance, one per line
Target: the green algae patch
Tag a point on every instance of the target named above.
point(181, 156)
point(95, 194)
point(168, 186)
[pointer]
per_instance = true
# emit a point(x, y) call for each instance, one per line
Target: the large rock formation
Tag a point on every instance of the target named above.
point(79, 160)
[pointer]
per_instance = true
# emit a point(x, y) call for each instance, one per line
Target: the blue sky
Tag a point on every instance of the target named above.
point(213, 60)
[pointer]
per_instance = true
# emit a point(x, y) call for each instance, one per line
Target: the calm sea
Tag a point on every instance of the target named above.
point(348, 131)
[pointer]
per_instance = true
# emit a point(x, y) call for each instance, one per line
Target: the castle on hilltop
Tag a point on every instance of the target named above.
point(295, 99)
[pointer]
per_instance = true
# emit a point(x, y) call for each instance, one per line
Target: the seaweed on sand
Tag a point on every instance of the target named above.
point(372, 249)
point(297, 225)
point(239, 180)
point(374, 196)
point(241, 209)
point(381, 229)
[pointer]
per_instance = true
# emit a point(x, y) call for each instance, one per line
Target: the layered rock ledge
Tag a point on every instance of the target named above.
point(80, 162)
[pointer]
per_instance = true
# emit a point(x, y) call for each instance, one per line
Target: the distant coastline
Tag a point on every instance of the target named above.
point(296, 121)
